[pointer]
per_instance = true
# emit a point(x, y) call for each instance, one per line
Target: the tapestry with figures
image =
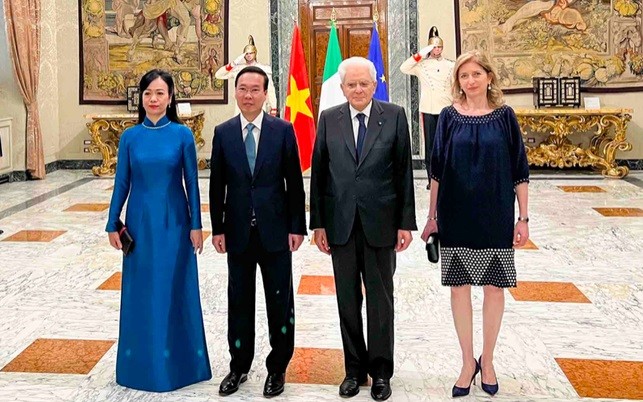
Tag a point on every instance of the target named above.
point(120, 40)
point(598, 40)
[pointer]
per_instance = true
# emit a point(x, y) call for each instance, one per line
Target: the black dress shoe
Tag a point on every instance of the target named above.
point(381, 389)
point(274, 384)
point(457, 392)
point(350, 386)
point(231, 382)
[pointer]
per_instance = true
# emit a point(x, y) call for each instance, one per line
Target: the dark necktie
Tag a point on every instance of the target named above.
point(250, 142)
point(361, 134)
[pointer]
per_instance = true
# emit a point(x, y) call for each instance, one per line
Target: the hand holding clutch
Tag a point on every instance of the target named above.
point(126, 238)
point(433, 247)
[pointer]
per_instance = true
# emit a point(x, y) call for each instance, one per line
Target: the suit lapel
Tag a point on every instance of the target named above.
point(346, 128)
point(373, 130)
point(240, 147)
point(265, 142)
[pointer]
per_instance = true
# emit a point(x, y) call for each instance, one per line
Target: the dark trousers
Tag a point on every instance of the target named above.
point(276, 272)
point(430, 123)
point(353, 263)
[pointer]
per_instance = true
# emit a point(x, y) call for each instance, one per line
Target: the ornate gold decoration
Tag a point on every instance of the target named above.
point(105, 131)
point(609, 126)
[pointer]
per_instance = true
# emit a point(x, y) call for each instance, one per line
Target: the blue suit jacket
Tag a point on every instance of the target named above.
point(275, 190)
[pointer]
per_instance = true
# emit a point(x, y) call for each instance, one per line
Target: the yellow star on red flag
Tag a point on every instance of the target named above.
point(296, 100)
point(299, 102)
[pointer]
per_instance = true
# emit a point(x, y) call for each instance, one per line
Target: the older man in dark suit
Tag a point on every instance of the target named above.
point(362, 210)
point(257, 206)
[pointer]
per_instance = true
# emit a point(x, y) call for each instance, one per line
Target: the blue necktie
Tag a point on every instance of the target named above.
point(361, 134)
point(251, 153)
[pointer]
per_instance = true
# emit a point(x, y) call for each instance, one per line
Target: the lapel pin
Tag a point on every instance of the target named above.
point(379, 123)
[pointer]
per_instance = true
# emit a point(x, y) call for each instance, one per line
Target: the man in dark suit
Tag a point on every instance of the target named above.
point(362, 210)
point(257, 206)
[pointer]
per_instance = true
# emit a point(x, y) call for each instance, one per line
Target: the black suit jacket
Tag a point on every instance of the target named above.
point(379, 186)
point(275, 190)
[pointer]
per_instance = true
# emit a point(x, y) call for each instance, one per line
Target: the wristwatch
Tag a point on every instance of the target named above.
point(525, 219)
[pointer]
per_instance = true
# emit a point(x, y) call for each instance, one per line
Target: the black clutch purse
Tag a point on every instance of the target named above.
point(433, 247)
point(126, 238)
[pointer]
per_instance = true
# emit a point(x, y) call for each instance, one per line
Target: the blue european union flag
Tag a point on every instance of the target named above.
point(375, 55)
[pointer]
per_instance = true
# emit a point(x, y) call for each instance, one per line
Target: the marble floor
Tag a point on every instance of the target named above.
point(573, 328)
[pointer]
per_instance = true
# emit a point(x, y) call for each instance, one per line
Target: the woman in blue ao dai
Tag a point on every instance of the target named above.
point(161, 344)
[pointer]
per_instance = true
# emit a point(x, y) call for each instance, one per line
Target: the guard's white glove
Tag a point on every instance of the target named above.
point(240, 60)
point(424, 52)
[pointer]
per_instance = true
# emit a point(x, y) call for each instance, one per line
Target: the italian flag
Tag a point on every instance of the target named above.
point(331, 92)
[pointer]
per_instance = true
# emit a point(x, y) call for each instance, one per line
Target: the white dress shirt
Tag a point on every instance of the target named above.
point(355, 121)
point(256, 131)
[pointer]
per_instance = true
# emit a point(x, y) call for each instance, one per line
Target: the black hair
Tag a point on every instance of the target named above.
point(256, 70)
point(145, 82)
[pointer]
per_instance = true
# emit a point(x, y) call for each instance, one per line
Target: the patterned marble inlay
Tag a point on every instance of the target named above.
point(35, 235)
point(316, 285)
point(581, 189)
point(88, 208)
point(626, 212)
point(112, 283)
point(60, 356)
point(316, 366)
point(562, 292)
point(604, 378)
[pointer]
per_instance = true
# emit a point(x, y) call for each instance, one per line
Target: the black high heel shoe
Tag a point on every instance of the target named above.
point(457, 392)
point(490, 389)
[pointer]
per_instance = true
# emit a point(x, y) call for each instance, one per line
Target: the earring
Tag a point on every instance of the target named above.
point(489, 86)
point(461, 91)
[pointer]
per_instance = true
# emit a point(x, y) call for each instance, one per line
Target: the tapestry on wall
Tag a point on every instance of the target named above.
point(123, 39)
point(598, 40)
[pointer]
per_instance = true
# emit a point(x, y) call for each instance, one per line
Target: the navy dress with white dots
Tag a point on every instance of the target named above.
point(478, 161)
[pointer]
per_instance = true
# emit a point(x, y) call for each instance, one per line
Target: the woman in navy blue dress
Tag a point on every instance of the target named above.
point(478, 169)
point(161, 344)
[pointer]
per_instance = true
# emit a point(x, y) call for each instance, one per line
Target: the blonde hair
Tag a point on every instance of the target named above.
point(494, 95)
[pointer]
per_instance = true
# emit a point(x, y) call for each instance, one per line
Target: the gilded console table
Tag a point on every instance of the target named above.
point(608, 127)
point(106, 130)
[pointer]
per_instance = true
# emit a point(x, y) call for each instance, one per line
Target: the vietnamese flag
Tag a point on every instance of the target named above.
point(299, 106)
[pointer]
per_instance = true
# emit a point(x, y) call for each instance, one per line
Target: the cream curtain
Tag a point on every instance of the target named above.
point(23, 31)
